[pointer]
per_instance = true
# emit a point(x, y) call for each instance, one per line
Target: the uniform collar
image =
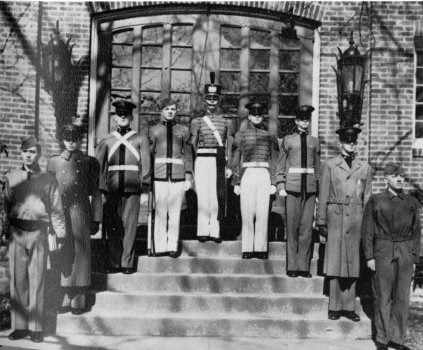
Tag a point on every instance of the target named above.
point(36, 169)
point(391, 194)
point(261, 126)
point(300, 132)
point(170, 122)
point(68, 155)
point(123, 131)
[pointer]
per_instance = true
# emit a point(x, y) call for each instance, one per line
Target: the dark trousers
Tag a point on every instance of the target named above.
point(299, 222)
point(391, 287)
point(120, 219)
point(342, 293)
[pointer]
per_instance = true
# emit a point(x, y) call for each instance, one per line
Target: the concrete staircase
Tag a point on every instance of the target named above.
point(209, 291)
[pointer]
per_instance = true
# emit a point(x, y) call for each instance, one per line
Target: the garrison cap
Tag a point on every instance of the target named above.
point(348, 135)
point(304, 112)
point(167, 102)
point(392, 168)
point(29, 142)
point(123, 107)
point(256, 108)
point(71, 132)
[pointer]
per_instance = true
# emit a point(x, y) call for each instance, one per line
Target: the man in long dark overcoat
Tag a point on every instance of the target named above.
point(78, 177)
point(345, 187)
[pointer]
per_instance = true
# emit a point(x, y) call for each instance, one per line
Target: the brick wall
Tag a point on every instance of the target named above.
point(388, 110)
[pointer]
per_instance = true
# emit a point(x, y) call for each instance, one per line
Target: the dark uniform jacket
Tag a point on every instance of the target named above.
point(392, 218)
point(171, 149)
point(78, 178)
point(32, 201)
point(202, 136)
point(255, 145)
point(299, 161)
point(124, 162)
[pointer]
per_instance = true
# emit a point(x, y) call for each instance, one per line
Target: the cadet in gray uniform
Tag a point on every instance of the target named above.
point(254, 169)
point(298, 172)
point(172, 156)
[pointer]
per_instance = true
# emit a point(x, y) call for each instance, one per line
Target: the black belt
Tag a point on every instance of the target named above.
point(28, 225)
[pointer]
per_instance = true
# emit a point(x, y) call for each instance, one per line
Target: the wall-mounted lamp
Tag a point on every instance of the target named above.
point(350, 83)
point(289, 32)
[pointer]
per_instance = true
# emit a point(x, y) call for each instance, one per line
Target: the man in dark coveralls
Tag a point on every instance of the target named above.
point(124, 157)
point(211, 139)
point(298, 172)
point(345, 187)
point(78, 177)
point(254, 170)
point(171, 150)
point(391, 238)
point(32, 206)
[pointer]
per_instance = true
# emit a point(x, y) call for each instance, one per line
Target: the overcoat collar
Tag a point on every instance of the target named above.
point(67, 155)
point(342, 164)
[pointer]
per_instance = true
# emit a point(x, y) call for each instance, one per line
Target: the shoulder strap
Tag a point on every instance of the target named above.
point(213, 128)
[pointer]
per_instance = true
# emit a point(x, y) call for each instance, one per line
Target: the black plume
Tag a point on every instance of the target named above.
point(212, 77)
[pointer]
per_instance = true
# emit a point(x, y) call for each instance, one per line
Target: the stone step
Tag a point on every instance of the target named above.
point(211, 325)
point(206, 283)
point(185, 264)
point(271, 304)
point(231, 249)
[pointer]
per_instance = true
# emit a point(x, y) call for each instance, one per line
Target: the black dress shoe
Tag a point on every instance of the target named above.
point(202, 239)
point(19, 334)
point(113, 269)
point(173, 254)
point(380, 346)
point(351, 315)
point(247, 255)
point(63, 309)
point(127, 270)
point(262, 255)
point(305, 274)
point(78, 311)
point(397, 346)
point(37, 337)
point(292, 274)
point(217, 240)
point(334, 315)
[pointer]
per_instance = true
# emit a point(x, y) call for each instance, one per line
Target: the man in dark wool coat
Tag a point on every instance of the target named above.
point(78, 177)
point(391, 237)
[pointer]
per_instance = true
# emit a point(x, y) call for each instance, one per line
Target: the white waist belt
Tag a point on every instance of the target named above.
point(123, 167)
point(301, 170)
point(255, 165)
point(169, 160)
point(206, 150)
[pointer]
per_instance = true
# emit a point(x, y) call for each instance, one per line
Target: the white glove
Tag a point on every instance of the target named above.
point(272, 189)
point(228, 173)
point(187, 185)
point(237, 190)
point(283, 193)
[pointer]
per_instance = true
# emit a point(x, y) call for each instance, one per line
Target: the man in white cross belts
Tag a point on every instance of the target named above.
point(124, 157)
point(171, 148)
point(211, 138)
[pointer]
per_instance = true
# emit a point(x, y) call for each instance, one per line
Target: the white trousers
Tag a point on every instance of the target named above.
point(255, 196)
point(208, 207)
point(168, 199)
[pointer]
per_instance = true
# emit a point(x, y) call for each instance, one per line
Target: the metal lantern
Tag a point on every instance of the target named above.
point(56, 60)
point(350, 83)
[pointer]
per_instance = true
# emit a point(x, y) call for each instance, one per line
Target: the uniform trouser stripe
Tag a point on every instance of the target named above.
point(342, 294)
point(208, 207)
point(28, 262)
point(169, 197)
point(255, 195)
point(299, 222)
